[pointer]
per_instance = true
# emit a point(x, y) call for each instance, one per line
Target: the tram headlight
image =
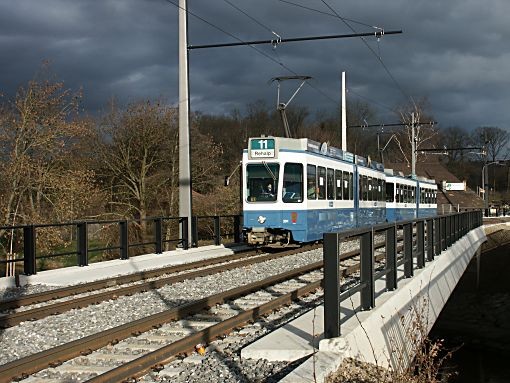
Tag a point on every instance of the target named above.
point(261, 219)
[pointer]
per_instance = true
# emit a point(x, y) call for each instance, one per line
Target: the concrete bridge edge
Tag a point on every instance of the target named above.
point(382, 335)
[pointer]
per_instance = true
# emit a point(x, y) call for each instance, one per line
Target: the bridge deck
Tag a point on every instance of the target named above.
point(371, 334)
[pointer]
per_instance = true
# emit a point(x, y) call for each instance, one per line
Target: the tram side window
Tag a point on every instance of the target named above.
point(345, 185)
point(262, 182)
point(292, 183)
point(379, 190)
point(330, 183)
point(311, 182)
point(390, 189)
point(364, 187)
point(351, 186)
point(370, 190)
point(321, 181)
point(338, 184)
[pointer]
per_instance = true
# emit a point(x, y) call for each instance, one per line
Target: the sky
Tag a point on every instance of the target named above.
point(455, 53)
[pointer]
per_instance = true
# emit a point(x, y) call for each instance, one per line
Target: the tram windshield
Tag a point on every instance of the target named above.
point(262, 182)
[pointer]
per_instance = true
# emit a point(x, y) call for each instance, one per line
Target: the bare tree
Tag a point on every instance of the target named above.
point(493, 138)
point(424, 134)
point(136, 153)
point(39, 132)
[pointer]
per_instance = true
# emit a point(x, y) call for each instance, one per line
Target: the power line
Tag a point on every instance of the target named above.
point(373, 52)
point(328, 14)
point(336, 15)
point(349, 90)
point(432, 123)
point(252, 18)
point(253, 47)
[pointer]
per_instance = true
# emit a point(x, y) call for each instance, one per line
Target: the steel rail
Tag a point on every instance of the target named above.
point(15, 318)
point(55, 356)
point(31, 364)
point(153, 360)
point(117, 280)
point(141, 365)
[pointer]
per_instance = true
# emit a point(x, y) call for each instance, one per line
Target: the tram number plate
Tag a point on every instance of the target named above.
point(262, 148)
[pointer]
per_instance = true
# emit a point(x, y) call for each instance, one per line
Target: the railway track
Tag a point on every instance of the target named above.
point(184, 313)
point(54, 301)
point(178, 321)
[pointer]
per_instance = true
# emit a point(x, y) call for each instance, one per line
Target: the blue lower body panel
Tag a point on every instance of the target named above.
point(425, 213)
point(308, 226)
point(400, 214)
point(371, 216)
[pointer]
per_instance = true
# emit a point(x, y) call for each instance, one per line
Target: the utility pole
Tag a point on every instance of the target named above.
point(185, 208)
point(344, 115)
point(486, 178)
point(413, 148)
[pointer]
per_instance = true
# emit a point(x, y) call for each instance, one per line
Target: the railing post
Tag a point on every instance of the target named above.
point(420, 244)
point(124, 243)
point(437, 235)
point(430, 240)
point(194, 231)
point(29, 263)
point(217, 235)
point(457, 227)
point(331, 257)
point(391, 258)
point(237, 227)
point(367, 270)
point(408, 250)
point(444, 241)
point(185, 233)
point(83, 244)
point(158, 235)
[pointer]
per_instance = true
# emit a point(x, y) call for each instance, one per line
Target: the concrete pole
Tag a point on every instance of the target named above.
point(344, 115)
point(185, 208)
point(413, 148)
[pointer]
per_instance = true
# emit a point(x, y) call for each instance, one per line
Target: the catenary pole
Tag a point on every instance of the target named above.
point(185, 207)
point(413, 147)
point(344, 115)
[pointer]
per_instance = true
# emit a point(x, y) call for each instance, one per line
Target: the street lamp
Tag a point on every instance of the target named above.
point(485, 189)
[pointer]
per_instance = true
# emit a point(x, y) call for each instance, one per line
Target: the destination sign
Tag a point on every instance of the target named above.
point(262, 148)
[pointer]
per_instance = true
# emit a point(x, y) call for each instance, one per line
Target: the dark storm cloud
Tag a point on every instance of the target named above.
point(454, 53)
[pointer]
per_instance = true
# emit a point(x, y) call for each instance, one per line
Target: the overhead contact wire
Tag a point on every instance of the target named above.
point(251, 46)
point(373, 52)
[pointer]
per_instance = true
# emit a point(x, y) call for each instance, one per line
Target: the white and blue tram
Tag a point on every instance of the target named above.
point(294, 190)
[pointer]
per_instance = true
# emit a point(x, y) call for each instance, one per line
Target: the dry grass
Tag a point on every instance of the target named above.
point(421, 361)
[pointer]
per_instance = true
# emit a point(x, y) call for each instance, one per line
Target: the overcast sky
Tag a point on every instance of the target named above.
point(456, 53)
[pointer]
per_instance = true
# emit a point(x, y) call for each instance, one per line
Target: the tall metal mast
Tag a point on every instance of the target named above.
point(185, 208)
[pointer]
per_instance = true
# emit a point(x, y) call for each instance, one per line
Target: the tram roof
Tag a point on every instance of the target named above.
point(308, 145)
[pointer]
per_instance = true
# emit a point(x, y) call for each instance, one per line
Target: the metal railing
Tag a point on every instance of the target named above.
point(432, 236)
point(124, 238)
